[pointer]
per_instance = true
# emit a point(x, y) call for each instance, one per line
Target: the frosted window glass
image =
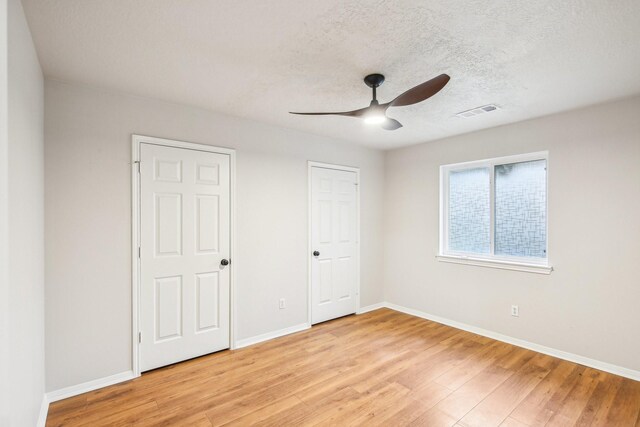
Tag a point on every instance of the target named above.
point(469, 211)
point(521, 209)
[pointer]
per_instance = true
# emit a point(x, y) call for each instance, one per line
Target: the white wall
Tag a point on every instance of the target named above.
point(23, 298)
point(88, 220)
point(589, 305)
point(4, 221)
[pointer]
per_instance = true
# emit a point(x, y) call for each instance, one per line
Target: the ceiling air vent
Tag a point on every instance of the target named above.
point(478, 110)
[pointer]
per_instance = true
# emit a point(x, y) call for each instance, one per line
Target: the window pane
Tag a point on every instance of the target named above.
point(469, 212)
point(521, 201)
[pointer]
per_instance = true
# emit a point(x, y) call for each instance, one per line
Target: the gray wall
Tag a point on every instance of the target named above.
point(23, 298)
point(4, 220)
point(588, 305)
point(88, 220)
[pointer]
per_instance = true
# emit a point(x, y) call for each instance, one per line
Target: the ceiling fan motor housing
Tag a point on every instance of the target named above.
point(374, 80)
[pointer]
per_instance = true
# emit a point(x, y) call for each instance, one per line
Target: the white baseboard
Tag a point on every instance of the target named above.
point(592, 363)
point(44, 410)
point(75, 390)
point(371, 307)
point(271, 335)
point(128, 375)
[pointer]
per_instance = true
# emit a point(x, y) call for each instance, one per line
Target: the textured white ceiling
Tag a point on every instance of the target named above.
point(261, 59)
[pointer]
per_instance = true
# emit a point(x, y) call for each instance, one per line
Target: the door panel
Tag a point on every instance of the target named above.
point(325, 281)
point(344, 269)
point(207, 224)
point(334, 235)
point(184, 234)
point(207, 301)
point(168, 308)
point(168, 231)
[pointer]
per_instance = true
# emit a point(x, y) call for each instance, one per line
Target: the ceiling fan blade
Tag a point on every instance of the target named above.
point(421, 92)
point(391, 124)
point(354, 113)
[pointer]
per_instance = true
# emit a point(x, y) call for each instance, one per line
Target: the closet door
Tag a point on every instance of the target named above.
point(334, 234)
point(184, 252)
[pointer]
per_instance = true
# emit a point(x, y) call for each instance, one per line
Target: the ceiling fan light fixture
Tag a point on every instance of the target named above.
point(375, 119)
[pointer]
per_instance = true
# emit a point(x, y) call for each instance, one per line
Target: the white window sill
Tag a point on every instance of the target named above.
point(504, 265)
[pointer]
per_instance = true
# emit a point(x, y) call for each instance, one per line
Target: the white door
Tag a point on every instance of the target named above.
point(334, 243)
point(184, 246)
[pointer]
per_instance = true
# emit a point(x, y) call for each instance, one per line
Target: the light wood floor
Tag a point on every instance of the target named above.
point(380, 368)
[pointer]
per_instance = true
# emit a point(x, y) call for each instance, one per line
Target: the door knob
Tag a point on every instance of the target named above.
point(316, 253)
point(224, 262)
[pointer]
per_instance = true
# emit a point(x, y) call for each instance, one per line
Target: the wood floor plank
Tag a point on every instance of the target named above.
point(496, 407)
point(408, 410)
point(251, 418)
point(316, 410)
point(116, 416)
point(475, 364)
point(533, 409)
point(624, 406)
point(576, 402)
point(382, 368)
point(511, 422)
point(466, 397)
point(361, 410)
point(173, 418)
point(434, 418)
point(72, 407)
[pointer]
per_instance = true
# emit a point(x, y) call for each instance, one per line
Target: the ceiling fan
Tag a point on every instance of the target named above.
point(375, 113)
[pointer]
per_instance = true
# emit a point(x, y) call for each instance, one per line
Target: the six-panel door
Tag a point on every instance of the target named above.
point(334, 235)
point(184, 236)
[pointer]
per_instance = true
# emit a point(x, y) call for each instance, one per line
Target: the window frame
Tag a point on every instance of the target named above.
point(529, 264)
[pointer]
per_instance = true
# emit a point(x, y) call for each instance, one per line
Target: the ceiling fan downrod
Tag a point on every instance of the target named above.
point(373, 81)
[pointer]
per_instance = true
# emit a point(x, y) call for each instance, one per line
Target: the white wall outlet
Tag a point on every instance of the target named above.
point(282, 304)
point(515, 311)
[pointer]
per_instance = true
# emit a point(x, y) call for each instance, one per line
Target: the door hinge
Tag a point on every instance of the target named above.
point(139, 251)
point(137, 162)
point(139, 337)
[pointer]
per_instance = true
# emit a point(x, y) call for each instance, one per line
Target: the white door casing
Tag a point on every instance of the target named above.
point(334, 236)
point(184, 236)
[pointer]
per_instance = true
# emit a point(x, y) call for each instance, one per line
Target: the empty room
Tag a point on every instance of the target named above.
point(319, 213)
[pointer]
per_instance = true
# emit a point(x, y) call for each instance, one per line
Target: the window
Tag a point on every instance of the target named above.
point(494, 213)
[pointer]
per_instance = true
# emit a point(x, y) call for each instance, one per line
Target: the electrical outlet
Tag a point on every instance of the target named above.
point(515, 311)
point(282, 304)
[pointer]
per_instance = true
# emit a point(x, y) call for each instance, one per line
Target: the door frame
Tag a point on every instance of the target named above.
point(136, 141)
point(310, 165)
